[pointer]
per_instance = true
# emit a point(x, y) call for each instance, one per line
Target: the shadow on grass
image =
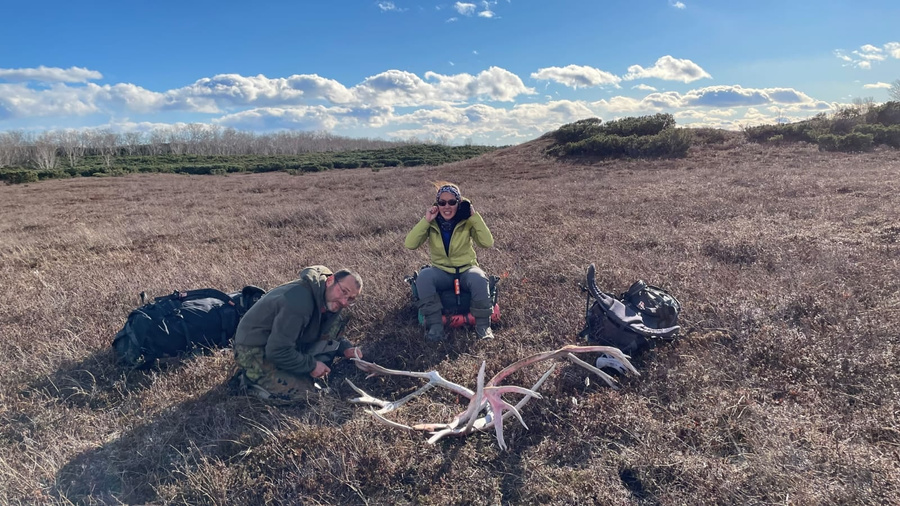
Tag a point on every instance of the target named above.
point(100, 381)
point(217, 425)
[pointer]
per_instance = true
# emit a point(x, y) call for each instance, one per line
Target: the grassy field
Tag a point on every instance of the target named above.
point(784, 388)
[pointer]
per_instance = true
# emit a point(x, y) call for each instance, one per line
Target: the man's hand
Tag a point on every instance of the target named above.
point(354, 352)
point(320, 370)
point(431, 213)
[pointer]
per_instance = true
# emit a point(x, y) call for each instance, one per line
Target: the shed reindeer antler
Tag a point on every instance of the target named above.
point(488, 396)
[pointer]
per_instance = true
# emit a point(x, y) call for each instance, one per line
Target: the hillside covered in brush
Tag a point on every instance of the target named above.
point(782, 388)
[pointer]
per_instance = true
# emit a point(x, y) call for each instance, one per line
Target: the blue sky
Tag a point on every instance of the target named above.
point(496, 72)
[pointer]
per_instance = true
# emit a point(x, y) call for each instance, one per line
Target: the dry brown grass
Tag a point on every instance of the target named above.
point(784, 389)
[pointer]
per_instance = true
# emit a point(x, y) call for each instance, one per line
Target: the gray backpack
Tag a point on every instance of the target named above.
point(633, 322)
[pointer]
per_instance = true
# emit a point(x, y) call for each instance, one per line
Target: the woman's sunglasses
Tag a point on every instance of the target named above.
point(443, 203)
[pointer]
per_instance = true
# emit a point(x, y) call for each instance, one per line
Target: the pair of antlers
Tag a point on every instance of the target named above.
point(487, 397)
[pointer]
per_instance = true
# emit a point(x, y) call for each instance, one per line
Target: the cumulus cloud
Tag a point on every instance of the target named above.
point(487, 123)
point(678, 5)
point(669, 69)
point(644, 87)
point(234, 90)
point(60, 99)
point(44, 74)
point(494, 83)
point(878, 85)
point(388, 6)
point(280, 118)
point(466, 9)
point(486, 14)
point(737, 96)
point(869, 54)
point(576, 76)
point(893, 49)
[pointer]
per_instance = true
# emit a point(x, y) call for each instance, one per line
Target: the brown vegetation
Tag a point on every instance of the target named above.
point(784, 388)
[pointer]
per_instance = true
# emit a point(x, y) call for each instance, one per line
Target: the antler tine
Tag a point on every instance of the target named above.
point(476, 403)
point(365, 398)
point(388, 422)
point(433, 377)
point(605, 377)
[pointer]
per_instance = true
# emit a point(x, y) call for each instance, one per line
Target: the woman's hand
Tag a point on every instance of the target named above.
point(431, 213)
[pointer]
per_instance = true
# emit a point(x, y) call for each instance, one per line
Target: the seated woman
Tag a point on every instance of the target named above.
point(451, 226)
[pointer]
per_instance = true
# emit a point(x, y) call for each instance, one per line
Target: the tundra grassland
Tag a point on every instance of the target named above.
point(783, 389)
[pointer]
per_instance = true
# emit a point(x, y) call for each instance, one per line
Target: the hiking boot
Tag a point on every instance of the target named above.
point(484, 332)
point(435, 333)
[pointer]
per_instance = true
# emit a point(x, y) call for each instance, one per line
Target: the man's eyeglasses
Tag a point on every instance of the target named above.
point(345, 292)
point(443, 203)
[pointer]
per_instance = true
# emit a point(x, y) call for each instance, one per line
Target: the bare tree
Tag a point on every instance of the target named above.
point(107, 143)
point(132, 141)
point(157, 141)
point(44, 151)
point(12, 148)
point(894, 92)
point(73, 144)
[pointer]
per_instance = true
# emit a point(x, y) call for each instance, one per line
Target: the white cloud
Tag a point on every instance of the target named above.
point(278, 118)
point(870, 53)
point(669, 69)
point(450, 20)
point(576, 76)
point(232, 90)
point(644, 87)
point(494, 83)
point(44, 74)
point(878, 85)
point(867, 54)
point(737, 96)
point(893, 49)
point(20, 101)
point(486, 14)
point(466, 9)
point(677, 5)
point(387, 6)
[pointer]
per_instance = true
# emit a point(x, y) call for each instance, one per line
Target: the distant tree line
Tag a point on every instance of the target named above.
point(56, 149)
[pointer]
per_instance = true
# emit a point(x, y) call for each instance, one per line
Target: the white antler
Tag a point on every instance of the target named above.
point(488, 396)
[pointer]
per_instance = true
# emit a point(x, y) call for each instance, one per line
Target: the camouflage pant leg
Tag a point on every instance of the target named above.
point(281, 385)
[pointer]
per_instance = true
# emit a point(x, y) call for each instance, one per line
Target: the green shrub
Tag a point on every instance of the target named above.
point(888, 114)
point(19, 176)
point(761, 133)
point(52, 174)
point(887, 135)
point(671, 143)
point(850, 143)
point(639, 126)
point(577, 131)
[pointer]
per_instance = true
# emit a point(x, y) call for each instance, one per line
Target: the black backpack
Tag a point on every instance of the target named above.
point(635, 321)
point(181, 322)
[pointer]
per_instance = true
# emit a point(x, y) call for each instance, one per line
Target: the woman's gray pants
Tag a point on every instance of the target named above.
point(432, 280)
